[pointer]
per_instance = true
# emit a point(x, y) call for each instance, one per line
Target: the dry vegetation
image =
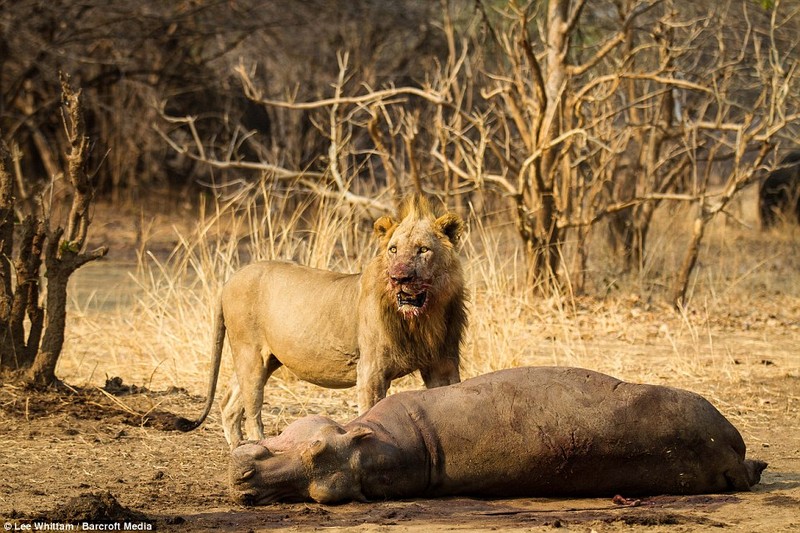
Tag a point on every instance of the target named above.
point(745, 305)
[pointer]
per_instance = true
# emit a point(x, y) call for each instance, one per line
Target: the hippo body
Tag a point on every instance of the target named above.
point(548, 431)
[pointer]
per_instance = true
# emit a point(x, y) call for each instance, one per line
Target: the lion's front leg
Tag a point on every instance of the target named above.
point(441, 373)
point(372, 384)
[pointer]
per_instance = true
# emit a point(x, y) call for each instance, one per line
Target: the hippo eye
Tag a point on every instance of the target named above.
point(393, 249)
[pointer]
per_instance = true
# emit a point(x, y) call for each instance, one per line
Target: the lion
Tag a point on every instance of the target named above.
point(405, 312)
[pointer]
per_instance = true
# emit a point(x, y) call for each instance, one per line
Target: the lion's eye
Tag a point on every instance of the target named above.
point(393, 249)
point(423, 249)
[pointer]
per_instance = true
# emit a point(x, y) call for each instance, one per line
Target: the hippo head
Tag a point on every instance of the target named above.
point(310, 460)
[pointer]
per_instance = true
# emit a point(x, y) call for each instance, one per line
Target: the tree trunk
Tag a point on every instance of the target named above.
point(547, 252)
point(26, 296)
point(690, 258)
point(640, 226)
point(8, 344)
point(43, 370)
point(580, 260)
point(544, 249)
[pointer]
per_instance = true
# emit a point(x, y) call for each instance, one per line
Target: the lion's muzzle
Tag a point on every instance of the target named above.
point(413, 300)
point(410, 291)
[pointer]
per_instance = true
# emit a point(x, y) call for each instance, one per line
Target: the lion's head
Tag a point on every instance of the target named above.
point(419, 259)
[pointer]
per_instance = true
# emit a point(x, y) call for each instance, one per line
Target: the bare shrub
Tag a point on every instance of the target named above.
point(36, 351)
point(134, 58)
point(570, 118)
point(584, 129)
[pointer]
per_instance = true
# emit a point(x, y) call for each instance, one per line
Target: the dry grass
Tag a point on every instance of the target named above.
point(149, 321)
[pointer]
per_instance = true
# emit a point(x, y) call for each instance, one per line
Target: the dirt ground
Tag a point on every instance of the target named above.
point(99, 454)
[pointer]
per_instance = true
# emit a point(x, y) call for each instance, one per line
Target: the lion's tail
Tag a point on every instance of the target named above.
point(184, 424)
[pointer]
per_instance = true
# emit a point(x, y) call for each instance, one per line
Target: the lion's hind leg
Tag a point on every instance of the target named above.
point(253, 367)
point(232, 413)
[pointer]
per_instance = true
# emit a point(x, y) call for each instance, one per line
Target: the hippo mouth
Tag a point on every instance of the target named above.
point(411, 300)
point(250, 499)
point(253, 498)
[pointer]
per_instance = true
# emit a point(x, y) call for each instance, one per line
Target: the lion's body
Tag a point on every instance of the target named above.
point(301, 316)
point(404, 313)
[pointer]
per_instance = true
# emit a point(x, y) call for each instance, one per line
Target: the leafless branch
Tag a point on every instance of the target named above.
point(372, 97)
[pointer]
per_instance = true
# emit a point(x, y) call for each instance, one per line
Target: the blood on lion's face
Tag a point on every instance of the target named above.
point(417, 251)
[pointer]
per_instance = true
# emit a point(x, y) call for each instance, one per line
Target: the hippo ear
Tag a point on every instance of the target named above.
point(451, 225)
point(384, 226)
point(316, 447)
point(359, 433)
point(265, 452)
point(313, 450)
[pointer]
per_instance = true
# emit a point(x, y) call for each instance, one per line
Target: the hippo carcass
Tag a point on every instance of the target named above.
point(549, 431)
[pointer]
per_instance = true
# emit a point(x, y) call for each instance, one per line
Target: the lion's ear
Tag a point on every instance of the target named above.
point(451, 225)
point(383, 226)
